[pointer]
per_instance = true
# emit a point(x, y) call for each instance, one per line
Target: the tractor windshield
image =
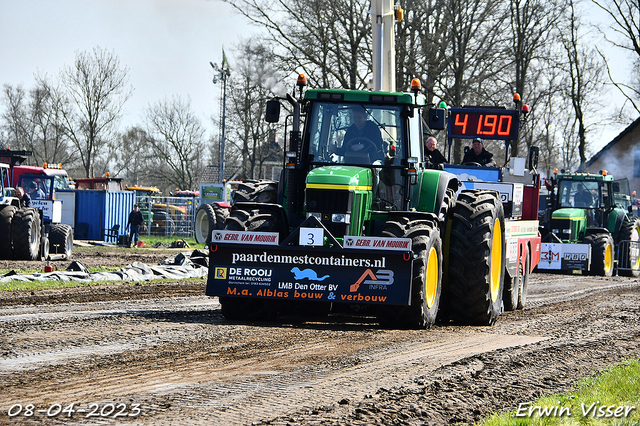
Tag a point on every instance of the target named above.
point(359, 134)
point(581, 194)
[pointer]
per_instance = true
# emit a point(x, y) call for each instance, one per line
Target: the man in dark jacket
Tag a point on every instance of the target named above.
point(432, 154)
point(135, 220)
point(362, 136)
point(477, 154)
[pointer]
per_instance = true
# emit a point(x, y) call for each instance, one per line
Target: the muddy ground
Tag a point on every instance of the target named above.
point(163, 354)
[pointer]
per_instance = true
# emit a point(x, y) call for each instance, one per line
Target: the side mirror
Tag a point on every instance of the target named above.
point(272, 114)
point(437, 118)
point(534, 153)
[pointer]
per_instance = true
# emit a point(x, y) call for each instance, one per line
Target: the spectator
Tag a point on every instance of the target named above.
point(25, 200)
point(135, 220)
point(478, 155)
point(431, 153)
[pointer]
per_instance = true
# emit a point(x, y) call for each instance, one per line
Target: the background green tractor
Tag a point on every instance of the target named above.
point(589, 226)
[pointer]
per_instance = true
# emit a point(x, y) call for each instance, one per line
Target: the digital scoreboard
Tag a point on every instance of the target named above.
point(484, 123)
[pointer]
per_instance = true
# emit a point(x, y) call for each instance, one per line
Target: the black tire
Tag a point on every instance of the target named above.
point(602, 253)
point(630, 231)
point(448, 203)
point(26, 229)
point(512, 286)
point(249, 309)
point(476, 263)
point(208, 218)
point(258, 191)
point(524, 282)
point(6, 218)
point(426, 285)
point(61, 240)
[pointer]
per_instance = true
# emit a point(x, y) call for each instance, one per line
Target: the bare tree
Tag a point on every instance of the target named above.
point(177, 138)
point(96, 87)
point(254, 81)
point(532, 26)
point(328, 40)
point(132, 157)
point(584, 81)
point(625, 15)
point(34, 121)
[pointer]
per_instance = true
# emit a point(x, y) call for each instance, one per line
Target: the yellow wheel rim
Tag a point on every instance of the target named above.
point(635, 236)
point(608, 258)
point(431, 279)
point(496, 261)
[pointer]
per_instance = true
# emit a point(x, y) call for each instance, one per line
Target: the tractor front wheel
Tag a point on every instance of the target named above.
point(6, 218)
point(426, 286)
point(601, 253)
point(208, 218)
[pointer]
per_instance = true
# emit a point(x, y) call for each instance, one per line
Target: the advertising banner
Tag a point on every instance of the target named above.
point(310, 273)
point(556, 256)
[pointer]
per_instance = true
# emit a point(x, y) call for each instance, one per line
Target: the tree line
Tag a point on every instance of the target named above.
point(471, 52)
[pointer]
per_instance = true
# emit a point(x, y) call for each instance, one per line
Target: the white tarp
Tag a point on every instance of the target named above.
point(193, 264)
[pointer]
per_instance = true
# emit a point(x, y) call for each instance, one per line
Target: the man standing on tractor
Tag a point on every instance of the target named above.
point(135, 220)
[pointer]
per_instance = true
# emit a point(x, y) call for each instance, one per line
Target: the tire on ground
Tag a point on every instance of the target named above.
point(26, 234)
point(476, 262)
point(426, 285)
point(512, 286)
point(630, 231)
point(250, 309)
point(602, 253)
point(6, 218)
point(524, 282)
point(257, 191)
point(61, 240)
point(208, 218)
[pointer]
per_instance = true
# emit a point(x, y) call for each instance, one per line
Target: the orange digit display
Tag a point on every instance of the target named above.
point(462, 123)
point(504, 128)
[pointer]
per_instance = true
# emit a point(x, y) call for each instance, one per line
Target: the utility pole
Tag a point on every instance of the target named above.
point(222, 73)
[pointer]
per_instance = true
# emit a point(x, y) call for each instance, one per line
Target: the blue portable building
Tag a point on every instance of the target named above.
point(97, 211)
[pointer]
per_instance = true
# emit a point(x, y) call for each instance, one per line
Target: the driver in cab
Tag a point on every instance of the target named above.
point(478, 156)
point(362, 136)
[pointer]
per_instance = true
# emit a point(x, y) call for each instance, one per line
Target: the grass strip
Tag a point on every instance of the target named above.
point(610, 397)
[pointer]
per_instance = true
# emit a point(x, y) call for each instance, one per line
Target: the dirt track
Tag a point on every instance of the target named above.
point(167, 348)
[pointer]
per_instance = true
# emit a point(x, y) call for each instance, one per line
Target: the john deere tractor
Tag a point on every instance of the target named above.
point(589, 226)
point(359, 219)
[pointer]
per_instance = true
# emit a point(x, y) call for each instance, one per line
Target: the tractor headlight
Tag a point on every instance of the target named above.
point(316, 215)
point(341, 218)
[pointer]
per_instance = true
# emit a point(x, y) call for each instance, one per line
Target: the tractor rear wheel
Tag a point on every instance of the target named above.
point(249, 309)
point(208, 218)
point(61, 239)
point(426, 286)
point(601, 253)
point(6, 218)
point(257, 191)
point(630, 231)
point(476, 262)
point(26, 229)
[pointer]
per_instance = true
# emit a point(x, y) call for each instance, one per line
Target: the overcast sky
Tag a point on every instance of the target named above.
point(165, 44)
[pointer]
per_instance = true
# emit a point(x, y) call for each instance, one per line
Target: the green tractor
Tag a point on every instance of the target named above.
point(589, 226)
point(359, 221)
